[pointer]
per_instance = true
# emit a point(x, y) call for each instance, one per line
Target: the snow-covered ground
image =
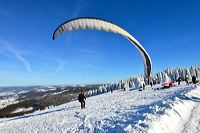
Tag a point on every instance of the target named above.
point(193, 125)
point(170, 110)
point(22, 110)
point(8, 101)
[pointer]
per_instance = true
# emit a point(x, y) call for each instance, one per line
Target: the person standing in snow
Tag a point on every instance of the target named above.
point(143, 86)
point(81, 99)
point(194, 79)
point(179, 80)
point(124, 88)
point(186, 79)
point(111, 90)
point(154, 82)
point(151, 84)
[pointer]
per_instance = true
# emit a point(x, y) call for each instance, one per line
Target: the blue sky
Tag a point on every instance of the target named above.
point(169, 30)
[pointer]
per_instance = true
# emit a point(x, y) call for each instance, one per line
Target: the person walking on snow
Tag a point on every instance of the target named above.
point(81, 99)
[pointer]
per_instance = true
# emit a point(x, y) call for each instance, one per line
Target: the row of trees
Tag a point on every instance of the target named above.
point(170, 74)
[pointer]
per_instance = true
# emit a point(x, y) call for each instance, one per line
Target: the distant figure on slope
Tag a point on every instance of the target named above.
point(81, 99)
point(124, 88)
point(143, 86)
point(151, 84)
point(111, 89)
point(194, 79)
point(186, 79)
point(154, 82)
point(179, 80)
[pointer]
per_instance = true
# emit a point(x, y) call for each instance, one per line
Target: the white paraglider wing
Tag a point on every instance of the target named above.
point(99, 24)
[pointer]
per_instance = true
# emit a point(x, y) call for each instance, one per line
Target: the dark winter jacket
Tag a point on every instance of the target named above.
point(194, 79)
point(81, 97)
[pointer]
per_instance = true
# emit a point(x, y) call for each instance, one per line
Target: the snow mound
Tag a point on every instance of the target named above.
point(168, 116)
point(174, 118)
point(194, 94)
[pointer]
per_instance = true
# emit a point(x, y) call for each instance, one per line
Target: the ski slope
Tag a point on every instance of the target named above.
point(171, 110)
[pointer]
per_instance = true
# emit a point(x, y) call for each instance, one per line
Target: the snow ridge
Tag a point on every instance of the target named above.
point(168, 116)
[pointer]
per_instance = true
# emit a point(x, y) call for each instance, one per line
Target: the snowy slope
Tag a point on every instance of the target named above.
point(130, 111)
point(6, 102)
point(193, 125)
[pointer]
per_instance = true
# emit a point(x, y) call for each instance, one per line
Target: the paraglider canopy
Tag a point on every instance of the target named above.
point(100, 24)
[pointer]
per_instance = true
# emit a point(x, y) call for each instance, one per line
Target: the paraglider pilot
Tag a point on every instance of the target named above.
point(81, 99)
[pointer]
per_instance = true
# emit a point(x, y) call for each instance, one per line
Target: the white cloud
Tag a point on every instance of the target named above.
point(24, 61)
point(88, 51)
point(7, 47)
point(60, 67)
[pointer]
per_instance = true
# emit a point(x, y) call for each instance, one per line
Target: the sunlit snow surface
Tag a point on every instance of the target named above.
point(170, 110)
